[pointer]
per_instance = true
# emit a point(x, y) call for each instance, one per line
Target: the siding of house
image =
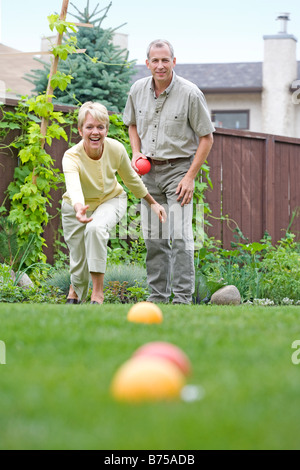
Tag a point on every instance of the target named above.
point(240, 101)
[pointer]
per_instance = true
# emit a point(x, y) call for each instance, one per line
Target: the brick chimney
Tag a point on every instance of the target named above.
point(279, 72)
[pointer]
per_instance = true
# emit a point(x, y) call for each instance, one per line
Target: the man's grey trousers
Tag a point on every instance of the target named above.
point(170, 246)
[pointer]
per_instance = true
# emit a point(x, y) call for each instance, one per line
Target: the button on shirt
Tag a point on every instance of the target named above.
point(169, 126)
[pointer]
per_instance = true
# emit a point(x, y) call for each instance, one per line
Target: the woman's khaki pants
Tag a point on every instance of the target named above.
point(87, 243)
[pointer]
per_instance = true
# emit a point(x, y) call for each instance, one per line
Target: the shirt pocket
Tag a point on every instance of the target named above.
point(175, 125)
point(142, 120)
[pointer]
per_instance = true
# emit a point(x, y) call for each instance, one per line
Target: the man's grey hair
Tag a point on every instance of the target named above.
point(160, 43)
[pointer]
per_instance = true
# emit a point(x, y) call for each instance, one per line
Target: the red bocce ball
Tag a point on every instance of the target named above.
point(143, 166)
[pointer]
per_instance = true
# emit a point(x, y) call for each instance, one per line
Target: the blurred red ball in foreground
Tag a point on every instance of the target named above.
point(167, 351)
point(143, 166)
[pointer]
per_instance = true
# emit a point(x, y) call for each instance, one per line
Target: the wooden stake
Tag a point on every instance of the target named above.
point(12, 54)
point(83, 25)
point(54, 66)
point(53, 70)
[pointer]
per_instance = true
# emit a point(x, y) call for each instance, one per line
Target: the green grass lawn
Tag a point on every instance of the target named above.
point(60, 360)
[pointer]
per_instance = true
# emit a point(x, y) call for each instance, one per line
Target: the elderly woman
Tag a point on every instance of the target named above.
point(94, 201)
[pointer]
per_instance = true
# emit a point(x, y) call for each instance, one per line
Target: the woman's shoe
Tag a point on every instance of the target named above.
point(95, 302)
point(72, 301)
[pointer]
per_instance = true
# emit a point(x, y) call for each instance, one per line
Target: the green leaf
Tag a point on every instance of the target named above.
point(63, 51)
point(41, 106)
point(25, 155)
point(61, 26)
point(61, 81)
point(56, 132)
point(52, 19)
point(58, 116)
point(10, 125)
point(253, 247)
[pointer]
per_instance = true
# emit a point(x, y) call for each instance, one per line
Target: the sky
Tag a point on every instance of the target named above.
point(200, 31)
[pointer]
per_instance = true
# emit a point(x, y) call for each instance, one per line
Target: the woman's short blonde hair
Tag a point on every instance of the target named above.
point(97, 110)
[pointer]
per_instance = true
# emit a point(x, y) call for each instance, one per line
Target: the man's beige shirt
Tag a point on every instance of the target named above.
point(168, 126)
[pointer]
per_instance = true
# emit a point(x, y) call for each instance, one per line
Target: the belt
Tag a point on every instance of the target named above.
point(164, 162)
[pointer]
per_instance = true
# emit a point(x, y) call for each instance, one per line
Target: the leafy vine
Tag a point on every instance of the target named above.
point(36, 175)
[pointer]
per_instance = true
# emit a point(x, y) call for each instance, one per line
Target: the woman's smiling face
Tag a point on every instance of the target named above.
point(93, 133)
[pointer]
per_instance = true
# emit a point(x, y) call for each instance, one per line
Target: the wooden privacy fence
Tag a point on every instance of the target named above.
point(255, 184)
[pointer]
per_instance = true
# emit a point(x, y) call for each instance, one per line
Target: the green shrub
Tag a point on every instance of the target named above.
point(10, 251)
point(281, 270)
point(125, 283)
point(12, 293)
point(258, 270)
point(130, 273)
point(205, 288)
point(116, 292)
point(60, 280)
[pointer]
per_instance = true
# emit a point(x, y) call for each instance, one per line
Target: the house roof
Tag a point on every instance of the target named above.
point(13, 68)
point(218, 78)
point(210, 78)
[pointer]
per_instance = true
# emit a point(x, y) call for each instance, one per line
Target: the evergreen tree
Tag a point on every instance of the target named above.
point(106, 80)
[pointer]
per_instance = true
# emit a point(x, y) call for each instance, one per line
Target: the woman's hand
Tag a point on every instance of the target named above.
point(159, 211)
point(157, 208)
point(81, 216)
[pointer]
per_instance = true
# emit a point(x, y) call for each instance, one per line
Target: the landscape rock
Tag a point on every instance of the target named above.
point(227, 295)
point(24, 280)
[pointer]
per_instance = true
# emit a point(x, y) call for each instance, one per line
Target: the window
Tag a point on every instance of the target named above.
point(231, 119)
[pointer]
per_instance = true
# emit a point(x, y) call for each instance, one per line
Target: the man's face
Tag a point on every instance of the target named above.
point(161, 64)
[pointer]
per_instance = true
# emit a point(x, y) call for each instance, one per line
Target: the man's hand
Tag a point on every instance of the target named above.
point(135, 143)
point(81, 216)
point(185, 190)
point(135, 158)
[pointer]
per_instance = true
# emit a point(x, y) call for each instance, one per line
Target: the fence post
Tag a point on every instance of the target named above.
point(269, 209)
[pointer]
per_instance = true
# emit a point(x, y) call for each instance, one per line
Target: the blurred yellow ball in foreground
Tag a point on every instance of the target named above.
point(145, 312)
point(147, 379)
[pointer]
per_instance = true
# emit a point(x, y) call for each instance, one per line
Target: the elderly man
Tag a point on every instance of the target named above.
point(169, 124)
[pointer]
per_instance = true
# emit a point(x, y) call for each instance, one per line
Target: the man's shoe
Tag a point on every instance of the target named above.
point(73, 301)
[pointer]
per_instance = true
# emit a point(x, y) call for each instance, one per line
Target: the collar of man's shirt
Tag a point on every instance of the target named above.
point(167, 90)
